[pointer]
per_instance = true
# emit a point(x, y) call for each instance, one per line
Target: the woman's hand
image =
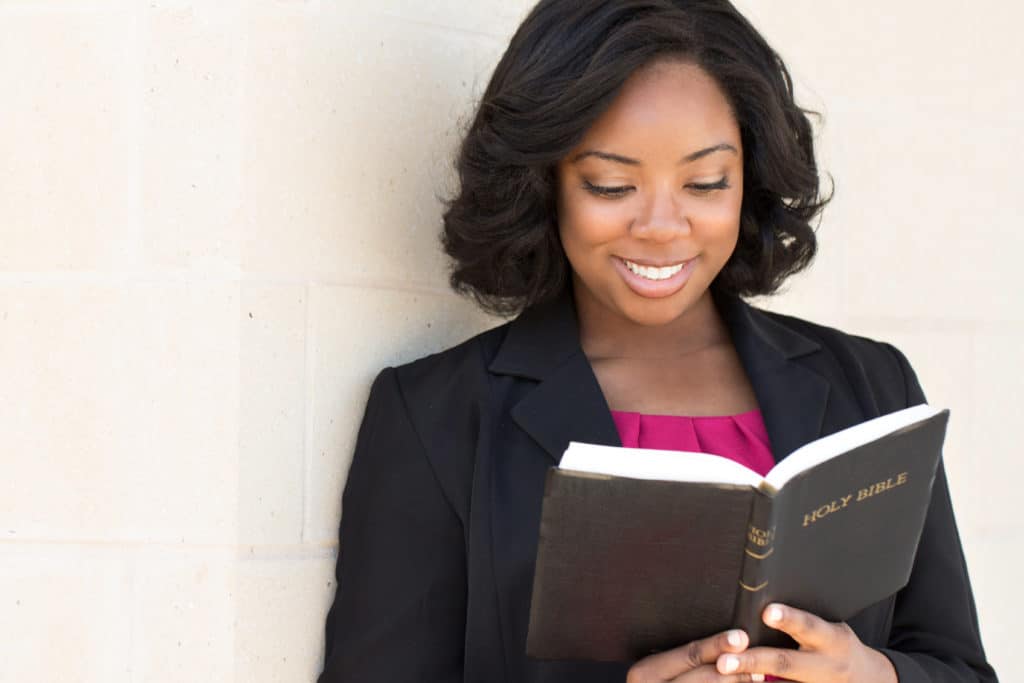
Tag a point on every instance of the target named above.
point(694, 662)
point(829, 652)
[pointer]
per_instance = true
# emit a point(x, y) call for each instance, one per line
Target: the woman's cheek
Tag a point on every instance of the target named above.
point(587, 229)
point(600, 221)
point(718, 218)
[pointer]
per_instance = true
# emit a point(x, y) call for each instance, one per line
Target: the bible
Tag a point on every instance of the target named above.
point(641, 550)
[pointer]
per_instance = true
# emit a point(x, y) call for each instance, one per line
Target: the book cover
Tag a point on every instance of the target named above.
point(642, 551)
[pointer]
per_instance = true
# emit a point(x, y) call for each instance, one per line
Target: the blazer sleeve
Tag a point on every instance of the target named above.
point(399, 610)
point(935, 636)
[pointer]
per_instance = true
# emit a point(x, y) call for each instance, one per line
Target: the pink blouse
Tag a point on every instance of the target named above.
point(742, 437)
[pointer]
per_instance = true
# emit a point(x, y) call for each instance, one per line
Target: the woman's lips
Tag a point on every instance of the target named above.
point(655, 289)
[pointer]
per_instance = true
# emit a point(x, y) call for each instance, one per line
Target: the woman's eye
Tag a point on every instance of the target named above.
point(605, 191)
point(705, 188)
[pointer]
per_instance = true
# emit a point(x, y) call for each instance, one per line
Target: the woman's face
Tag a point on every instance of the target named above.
point(649, 202)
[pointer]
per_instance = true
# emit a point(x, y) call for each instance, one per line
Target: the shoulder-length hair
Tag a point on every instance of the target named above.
point(563, 68)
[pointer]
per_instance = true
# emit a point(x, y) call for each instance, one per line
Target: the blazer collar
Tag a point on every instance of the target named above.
point(542, 344)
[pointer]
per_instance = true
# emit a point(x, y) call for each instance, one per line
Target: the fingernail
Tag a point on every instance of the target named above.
point(773, 614)
point(735, 638)
point(730, 664)
point(757, 677)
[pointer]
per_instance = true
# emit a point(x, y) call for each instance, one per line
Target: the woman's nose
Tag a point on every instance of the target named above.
point(662, 219)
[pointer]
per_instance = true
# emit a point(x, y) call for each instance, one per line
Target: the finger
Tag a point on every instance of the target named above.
point(664, 666)
point(809, 630)
point(708, 674)
point(787, 664)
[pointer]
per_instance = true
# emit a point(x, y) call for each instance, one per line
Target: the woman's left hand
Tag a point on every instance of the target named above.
point(829, 652)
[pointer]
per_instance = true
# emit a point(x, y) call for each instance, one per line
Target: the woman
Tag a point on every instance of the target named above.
point(634, 168)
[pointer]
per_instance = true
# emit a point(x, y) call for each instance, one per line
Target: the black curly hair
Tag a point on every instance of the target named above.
point(563, 68)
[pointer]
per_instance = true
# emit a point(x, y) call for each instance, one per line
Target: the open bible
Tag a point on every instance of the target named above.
point(644, 550)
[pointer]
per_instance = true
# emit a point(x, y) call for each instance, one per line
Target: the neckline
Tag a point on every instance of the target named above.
point(687, 417)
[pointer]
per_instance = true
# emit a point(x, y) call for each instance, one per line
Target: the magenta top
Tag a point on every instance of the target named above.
point(741, 437)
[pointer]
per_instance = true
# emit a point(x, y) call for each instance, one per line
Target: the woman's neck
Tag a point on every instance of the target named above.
point(605, 333)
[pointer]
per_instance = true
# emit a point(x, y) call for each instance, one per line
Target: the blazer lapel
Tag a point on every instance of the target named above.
point(567, 404)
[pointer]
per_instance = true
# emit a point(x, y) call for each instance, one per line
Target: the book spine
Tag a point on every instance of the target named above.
point(755, 579)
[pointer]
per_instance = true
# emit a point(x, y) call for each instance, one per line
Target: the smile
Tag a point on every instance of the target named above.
point(653, 272)
point(655, 281)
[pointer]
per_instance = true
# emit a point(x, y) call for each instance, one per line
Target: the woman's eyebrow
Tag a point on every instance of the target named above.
point(619, 159)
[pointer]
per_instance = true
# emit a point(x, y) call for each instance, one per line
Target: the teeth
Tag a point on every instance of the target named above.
point(652, 273)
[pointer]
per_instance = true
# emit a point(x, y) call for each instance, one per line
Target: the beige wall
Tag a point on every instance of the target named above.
point(217, 222)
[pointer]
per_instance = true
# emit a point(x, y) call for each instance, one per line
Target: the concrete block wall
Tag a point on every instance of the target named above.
point(218, 221)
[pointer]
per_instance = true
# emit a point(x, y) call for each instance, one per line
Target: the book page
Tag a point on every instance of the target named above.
point(828, 447)
point(647, 463)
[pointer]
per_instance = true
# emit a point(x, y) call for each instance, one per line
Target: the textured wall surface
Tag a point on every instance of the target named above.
point(218, 221)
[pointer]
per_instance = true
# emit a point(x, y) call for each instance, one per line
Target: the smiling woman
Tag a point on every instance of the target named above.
point(634, 169)
point(649, 204)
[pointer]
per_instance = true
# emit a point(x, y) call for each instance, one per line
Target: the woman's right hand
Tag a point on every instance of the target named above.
point(693, 662)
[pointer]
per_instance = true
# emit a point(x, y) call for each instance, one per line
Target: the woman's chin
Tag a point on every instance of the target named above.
point(656, 312)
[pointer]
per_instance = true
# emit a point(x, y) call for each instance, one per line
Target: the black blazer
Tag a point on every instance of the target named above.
point(440, 511)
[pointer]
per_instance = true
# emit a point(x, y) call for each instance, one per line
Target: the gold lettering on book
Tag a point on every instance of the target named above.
point(882, 486)
point(843, 502)
point(760, 537)
point(826, 510)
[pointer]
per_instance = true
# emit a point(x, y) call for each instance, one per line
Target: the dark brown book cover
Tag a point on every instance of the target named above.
point(627, 567)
